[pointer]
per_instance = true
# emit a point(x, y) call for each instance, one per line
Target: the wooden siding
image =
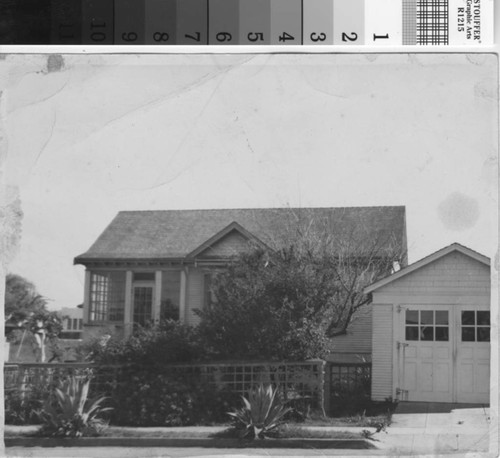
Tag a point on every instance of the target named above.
point(382, 343)
point(358, 340)
point(230, 245)
point(195, 295)
point(454, 274)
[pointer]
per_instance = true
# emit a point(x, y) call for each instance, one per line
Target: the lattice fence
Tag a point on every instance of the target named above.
point(294, 380)
point(298, 380)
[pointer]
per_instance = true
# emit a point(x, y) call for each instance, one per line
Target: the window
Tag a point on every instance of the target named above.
point(143, 304)
point(170, 295)
point(427, 325)
point(475, 326)
point(208, 296)
point(144, 276)
point(107, 296)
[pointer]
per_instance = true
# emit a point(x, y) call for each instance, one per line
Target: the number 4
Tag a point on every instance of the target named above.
point(286, 36)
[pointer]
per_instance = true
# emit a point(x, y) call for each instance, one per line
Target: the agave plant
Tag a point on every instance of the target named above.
point(69, 412)
point(262, 412)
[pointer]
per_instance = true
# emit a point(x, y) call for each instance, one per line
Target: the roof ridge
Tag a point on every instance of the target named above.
point(263, 208)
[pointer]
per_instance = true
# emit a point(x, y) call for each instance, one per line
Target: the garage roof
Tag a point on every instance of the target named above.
point(427, 260)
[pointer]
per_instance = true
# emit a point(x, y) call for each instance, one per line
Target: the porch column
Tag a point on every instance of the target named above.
point(86, 297)
point(182, 299)
point(157, 298)
point(128, 317)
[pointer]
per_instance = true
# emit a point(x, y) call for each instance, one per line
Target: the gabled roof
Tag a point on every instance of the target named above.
point(178, 234)
point(428, 260)
point(234, 226)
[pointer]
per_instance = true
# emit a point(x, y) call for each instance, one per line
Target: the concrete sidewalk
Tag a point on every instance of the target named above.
point(424, 428)
point(416, 429)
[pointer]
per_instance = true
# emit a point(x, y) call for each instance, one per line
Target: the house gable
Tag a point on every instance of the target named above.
point(230, 241)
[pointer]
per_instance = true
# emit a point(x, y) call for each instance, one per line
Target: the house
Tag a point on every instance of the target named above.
point(431, 329)
point(72, 323)
point(149, 264)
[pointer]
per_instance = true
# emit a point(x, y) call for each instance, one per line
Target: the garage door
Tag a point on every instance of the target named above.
point(473, 355)
point(443, 354)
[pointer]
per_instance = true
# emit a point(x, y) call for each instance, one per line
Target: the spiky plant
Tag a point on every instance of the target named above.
point(69, 412)
point(262, 412)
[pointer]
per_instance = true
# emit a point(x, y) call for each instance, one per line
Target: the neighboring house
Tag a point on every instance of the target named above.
point(72, 323)
point(149, 264)
point(431, 329)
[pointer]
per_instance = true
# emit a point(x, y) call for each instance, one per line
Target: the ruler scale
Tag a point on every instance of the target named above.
point(247, 22)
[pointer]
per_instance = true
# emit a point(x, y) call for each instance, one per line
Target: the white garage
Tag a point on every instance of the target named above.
point(431, 329)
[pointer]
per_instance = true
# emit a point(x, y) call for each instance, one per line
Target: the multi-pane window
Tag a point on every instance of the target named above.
point(427, 325)
point(475, 325)
point(107, 296)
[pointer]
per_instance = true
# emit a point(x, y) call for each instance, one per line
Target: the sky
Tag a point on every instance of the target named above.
point(90, 135)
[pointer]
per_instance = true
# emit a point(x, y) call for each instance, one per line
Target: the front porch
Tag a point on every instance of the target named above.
point(118, 298)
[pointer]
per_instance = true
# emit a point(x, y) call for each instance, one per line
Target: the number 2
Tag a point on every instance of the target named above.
point(352, 37)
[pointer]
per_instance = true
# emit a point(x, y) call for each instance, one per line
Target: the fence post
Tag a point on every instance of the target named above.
point(322, 386)
point(21, 381)
point(327, 385)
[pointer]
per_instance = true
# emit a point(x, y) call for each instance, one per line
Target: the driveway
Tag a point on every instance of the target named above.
point(431, 428)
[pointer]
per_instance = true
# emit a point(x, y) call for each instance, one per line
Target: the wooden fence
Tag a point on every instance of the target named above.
point(315, 380)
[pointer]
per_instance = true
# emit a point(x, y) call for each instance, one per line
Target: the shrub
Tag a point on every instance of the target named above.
point(165, 343)
point(22, 407)
point(262, 412)
point(148, 396)
point(69, 412)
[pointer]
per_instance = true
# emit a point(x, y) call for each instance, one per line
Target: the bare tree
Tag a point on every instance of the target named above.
point(352, 253)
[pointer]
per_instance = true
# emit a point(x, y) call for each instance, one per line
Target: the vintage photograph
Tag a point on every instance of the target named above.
point(249, 253)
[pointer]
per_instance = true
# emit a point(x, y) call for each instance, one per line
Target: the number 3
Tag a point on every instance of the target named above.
point(315, 37)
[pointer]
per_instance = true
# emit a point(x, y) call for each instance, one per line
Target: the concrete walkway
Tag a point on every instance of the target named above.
point(431, 428)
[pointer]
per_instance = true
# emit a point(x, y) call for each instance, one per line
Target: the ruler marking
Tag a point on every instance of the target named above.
point(281, 22)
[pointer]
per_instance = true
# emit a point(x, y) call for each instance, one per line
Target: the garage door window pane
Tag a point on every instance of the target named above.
point(483, 334)
point(483, 318)
point(442, 317)
point(412, 317)
point(468, 318)
point(442, 333)
point(426, 333)
point(426, 317)
point(468, 335)
point(411, 333)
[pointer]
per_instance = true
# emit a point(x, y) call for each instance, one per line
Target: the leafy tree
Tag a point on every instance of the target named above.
point(26, 309)
point(284, 302)
point(268, 305)
point(21, 298)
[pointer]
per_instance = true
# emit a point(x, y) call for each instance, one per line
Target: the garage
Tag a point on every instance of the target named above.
point(431, 329)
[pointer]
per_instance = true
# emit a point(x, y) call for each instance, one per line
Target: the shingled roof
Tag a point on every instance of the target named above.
point(174, 234)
